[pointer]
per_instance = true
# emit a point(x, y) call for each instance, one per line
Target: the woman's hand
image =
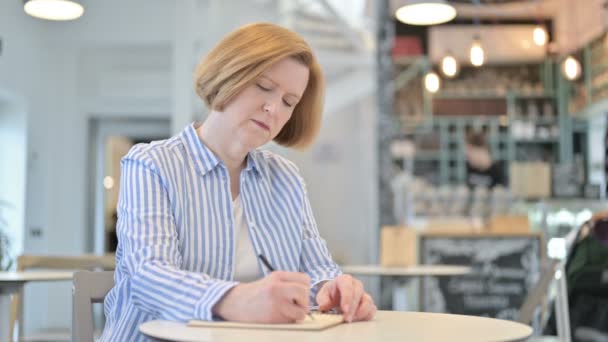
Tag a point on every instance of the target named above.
point(347, 294)
point(280, 297)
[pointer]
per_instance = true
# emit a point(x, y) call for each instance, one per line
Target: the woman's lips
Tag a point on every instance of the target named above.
point(262, 125)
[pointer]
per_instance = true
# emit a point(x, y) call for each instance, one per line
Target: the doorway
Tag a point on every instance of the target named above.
point(109, 141)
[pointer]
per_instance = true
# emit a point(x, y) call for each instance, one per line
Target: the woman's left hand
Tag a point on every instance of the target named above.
point(346, 293)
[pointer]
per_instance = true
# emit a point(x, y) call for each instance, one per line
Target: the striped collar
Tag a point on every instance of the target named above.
point(204, 159)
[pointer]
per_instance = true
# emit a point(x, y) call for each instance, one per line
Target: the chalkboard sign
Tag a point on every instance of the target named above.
point(504, 267)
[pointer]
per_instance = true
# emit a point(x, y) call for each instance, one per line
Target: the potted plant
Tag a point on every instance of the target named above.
point(6, 260)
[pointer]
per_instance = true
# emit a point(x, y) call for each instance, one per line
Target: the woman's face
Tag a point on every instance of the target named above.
point(259, 112)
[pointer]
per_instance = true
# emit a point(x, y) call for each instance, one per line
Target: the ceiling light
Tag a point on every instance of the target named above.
point(432, 82)
point(449, 66)
point(539, 35)
point(425, 12)
point(477, 54)
point(571, 68)
point(53, 9)
point(108, 182)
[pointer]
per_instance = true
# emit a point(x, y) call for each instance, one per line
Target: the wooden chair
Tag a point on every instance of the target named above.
point(31, 262)
point(88, 288)
point(538, 299)
point(537, 296)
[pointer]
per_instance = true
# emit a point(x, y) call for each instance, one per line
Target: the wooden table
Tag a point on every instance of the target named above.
point(387, 326)
point(411, 271)
point(396, 275)
point(11, 282)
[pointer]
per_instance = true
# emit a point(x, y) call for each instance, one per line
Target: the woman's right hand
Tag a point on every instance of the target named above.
point(280, 297)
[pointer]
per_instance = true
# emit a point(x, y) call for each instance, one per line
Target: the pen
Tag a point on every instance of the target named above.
point(266, 262)
point(271, 269)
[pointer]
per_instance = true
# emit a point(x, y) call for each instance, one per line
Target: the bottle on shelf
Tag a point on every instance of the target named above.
point(531, 119)
point(548, 111)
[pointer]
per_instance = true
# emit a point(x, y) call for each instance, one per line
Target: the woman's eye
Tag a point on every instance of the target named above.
point(287, 103)
point(262, 87)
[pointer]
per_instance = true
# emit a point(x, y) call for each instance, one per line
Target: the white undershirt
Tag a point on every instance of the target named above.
point(246, 266)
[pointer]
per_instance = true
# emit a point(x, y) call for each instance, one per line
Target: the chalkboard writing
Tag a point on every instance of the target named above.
point(504, 268)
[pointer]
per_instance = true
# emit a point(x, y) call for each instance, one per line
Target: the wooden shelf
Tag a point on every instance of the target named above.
point(427, 155)
point(491, 95)
point(538, 121)
point(598, 69)
point(537, 141)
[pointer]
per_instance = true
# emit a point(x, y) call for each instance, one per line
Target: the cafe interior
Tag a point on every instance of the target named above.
point(460, 168)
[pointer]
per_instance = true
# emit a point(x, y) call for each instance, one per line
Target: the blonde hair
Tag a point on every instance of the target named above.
point(243, 55)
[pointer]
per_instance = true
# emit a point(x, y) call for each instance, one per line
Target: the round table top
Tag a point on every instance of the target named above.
point(35, 276)
point(386, 326)
point(417, 270)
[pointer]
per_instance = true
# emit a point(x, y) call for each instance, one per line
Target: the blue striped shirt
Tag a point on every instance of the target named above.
point(176, 233)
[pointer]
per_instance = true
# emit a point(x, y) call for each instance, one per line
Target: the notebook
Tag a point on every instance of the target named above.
point(320, 321)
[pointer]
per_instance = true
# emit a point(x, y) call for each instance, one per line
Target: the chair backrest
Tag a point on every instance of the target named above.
point(55, 262)
point(67, 262)
point(88, 288)
point(537, 294)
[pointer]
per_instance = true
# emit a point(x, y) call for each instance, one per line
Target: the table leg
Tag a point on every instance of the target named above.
point(387, 285)
point(400, 300)
point(5, 316)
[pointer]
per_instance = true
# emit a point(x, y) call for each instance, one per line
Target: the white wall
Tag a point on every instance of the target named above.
point(120, 60)
point(12, 167)
point(19, 56)
point(47, 63)
point(341, 175)
point(23, 76)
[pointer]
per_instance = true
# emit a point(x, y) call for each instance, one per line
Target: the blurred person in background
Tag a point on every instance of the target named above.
point(482, 171)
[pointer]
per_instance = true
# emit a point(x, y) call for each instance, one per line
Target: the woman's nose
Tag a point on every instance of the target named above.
point(269, 107)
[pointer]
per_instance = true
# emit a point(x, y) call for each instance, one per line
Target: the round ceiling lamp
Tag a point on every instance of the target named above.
point(425, 12)
point(432, 82)
point(476, 54)
point(449, 66)
point(539, 35)
point(53, 9)
point(571, 68)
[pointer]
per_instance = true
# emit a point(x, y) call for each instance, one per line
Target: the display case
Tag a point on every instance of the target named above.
point(518, 113)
